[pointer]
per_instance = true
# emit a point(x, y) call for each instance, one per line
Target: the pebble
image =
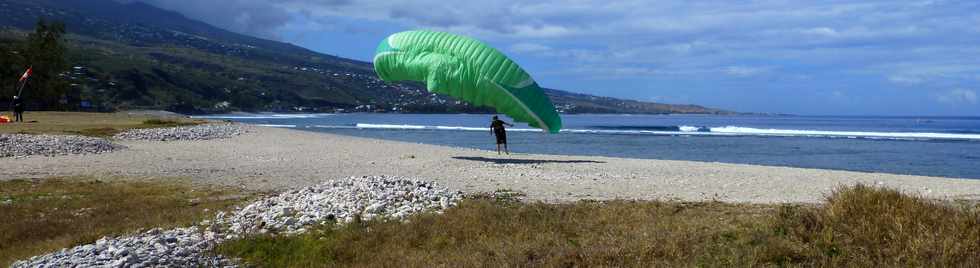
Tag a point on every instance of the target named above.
point(20, 145)
point(198, 132)
point(334, 202)
point(135, 251)
point(344, 199)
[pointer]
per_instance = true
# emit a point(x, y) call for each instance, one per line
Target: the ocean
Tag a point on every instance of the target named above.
point(931, 146)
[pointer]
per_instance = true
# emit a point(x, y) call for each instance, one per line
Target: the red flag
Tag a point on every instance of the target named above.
point(26, 74)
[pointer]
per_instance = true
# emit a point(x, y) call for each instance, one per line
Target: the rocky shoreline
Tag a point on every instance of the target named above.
point(24, 145)
point(193, 133)
point(21, 145)
point(333, 202)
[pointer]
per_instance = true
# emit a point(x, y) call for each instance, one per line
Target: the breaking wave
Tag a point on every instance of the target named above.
point(697, 131)
point(846, 134)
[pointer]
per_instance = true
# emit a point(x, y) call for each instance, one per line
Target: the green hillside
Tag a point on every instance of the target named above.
point(127, 56)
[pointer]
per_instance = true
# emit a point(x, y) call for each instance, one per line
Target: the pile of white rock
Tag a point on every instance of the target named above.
point(334, 202)
point(198, 132)
point(16, 145)
point(339, 201)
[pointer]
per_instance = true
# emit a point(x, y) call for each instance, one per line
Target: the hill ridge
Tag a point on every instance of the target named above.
point(134, 55)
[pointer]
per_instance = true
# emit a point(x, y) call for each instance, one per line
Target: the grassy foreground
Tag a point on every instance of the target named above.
point(859, 226)
point(88, 124)
point(40, 216)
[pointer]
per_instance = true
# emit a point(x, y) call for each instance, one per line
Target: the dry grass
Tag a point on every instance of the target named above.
point(45, 215)
point(89, 124)
point(167, 122)
point(858, 226)
point(867, 226)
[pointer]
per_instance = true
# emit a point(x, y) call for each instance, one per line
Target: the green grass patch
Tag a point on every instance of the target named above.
point(97, 132)
point(89, 124)
point(40, 216)
point(859, 226)
point(166, 122)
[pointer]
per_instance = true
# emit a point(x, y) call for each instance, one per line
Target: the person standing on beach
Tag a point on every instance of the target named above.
point(18, 109)
point(497, 128)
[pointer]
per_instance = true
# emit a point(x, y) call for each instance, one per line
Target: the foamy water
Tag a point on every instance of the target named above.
point(693, 130)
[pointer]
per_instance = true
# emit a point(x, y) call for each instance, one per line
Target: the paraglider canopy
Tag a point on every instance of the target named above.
point(466, 69)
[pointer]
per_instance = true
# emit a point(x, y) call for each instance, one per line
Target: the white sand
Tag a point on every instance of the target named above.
point(275, 159)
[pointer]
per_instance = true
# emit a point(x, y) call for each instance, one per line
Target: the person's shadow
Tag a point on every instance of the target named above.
point(521, 161)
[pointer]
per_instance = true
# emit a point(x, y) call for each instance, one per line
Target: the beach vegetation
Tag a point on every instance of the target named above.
point(870, 226)
point(856, 226)
point(44, 215)
point(166, 122)
point(91, 124)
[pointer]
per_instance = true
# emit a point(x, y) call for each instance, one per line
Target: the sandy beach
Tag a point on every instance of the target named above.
point(269, 159)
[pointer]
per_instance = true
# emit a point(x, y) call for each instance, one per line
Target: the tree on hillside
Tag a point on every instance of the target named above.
point(11, 63)
point(44, 50)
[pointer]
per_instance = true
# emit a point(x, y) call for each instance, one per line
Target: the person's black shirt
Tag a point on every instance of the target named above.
point(497, 126)
point(18, 105)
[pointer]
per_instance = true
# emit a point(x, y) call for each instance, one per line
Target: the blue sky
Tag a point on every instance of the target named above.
point(799, 57)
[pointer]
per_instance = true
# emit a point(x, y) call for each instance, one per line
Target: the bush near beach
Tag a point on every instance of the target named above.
point(41, 216)
point(90, 124)
point(857, 226)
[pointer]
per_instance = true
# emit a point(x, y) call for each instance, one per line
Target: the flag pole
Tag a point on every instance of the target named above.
point(20, 89)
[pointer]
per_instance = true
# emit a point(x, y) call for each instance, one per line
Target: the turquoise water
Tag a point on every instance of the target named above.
point(932, 146)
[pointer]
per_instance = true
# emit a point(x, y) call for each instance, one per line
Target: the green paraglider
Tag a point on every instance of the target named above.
point(469, 70)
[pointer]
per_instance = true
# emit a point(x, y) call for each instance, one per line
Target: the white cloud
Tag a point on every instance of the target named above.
point(541, 31)
point(905, 79)
point(958, 96)
point(928, 44)
point(529, 48)
point(260, 18)
point(745, 71)
point(821, 31)
point(558, 18)
point(933, 67)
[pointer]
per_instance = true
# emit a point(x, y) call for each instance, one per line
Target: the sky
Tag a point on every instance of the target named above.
point(793, 57)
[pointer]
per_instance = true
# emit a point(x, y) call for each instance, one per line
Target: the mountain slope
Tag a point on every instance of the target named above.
point(133, 55)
